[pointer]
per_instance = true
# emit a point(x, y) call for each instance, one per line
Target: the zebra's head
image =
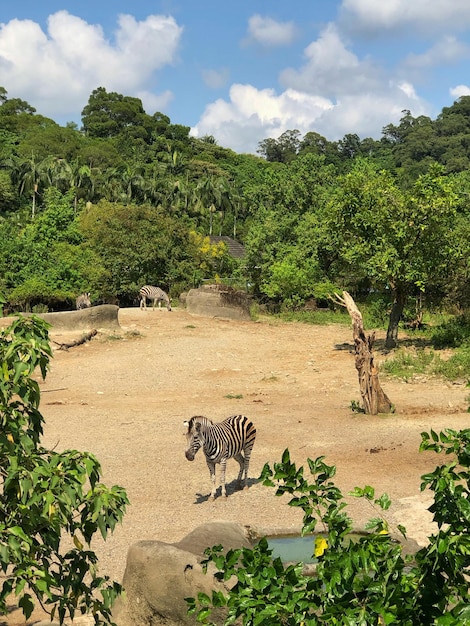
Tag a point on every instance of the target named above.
point(196, 426)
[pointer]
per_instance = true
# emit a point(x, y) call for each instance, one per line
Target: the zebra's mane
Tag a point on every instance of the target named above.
point(198, 419)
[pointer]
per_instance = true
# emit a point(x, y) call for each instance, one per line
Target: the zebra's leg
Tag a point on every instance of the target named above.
point(223, 467)
point(241, 462)
point(247, 463)
point(211, 467)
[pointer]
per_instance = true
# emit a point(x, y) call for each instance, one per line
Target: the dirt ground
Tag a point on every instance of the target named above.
point(124, 397)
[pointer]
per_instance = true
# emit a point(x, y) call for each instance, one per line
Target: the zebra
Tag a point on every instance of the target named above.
point(232, 438)
point(153, 293)
point(83, 301)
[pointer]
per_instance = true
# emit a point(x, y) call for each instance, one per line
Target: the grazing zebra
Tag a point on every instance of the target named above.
point(153, 293)
point(229, 439)
point(83, 301)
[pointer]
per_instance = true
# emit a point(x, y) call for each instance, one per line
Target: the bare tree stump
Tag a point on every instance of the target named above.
point(374, 399)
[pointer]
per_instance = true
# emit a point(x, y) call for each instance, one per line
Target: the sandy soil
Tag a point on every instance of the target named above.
point(125, 397)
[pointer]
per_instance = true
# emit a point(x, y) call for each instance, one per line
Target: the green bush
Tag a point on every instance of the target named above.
point(454, 333)
point(47, 498)
point(369, 581)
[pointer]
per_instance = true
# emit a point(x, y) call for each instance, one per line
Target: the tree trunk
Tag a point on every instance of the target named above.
point(374, 398)
point(395, 317)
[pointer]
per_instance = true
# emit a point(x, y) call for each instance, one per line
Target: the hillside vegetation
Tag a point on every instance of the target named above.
point(130, 198)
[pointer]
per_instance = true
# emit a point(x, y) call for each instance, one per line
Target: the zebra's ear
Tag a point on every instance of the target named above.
point(186, 424)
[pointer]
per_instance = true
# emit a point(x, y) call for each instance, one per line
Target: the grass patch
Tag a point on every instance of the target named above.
point(408, 363)
point(234, 396)
point(320, 317)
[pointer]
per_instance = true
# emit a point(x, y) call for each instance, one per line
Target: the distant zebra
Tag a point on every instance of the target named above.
point(148, 292)
point(83, 301)
point(232, 438)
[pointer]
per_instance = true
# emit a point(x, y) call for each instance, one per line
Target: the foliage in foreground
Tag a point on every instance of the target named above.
point(51, 503)
point(369, 581)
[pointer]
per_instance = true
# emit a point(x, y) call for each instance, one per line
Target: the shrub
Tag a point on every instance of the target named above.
point(453, 333)
point(368, 581)
point(47, 498)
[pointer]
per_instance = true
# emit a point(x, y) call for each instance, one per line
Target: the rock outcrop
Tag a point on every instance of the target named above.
point(218, 301)
point(159, 576)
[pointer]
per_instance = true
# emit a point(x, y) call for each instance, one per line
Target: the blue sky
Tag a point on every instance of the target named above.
point(244, 70)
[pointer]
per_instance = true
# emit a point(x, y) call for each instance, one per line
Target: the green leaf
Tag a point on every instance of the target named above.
point(27, 605)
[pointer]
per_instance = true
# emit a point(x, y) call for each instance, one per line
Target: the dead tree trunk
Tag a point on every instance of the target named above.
point(374, 398)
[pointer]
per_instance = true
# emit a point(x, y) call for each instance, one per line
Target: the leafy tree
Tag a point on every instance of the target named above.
point(8, 198)
point(283, 150)
point(137, 245)
point(364, 581)
point(405, 242)
point(108, 114)
point(46, 262)
point(47, 496)
point(285, 233)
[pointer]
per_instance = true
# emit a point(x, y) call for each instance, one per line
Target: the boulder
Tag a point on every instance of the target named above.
point(159, 576)
point(218, 301)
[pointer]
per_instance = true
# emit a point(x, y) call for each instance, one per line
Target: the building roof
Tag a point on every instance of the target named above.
point(235, 248)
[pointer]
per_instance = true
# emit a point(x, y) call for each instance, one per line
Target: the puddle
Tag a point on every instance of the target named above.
point(296, 548)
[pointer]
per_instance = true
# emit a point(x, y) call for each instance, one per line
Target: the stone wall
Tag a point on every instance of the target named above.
point(95, 317)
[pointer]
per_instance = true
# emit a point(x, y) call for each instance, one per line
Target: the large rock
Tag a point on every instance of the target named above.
point(159, 576)
point(218, 301)
point(95, 317)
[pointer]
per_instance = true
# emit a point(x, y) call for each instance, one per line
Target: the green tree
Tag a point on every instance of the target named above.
point(46, 262)
point(137, 244)
point(356, 582)
point(112, 114)
point(403, 241)
point(49, 500)
point(30, 177)
point(283, 150)
point(286, 230)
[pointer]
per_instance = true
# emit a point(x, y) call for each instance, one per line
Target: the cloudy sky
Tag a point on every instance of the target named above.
point(243, 70)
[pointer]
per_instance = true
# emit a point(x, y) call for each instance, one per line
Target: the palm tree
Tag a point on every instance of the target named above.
point(30, 176)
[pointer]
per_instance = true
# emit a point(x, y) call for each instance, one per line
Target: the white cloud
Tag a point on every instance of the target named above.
point(333, 93)
point(154, 102)
point(268, 32)
point(251, 115)
point(370, 15)
point(331, 69)
point(459, 91)
point(55, 70)
point(446, 50)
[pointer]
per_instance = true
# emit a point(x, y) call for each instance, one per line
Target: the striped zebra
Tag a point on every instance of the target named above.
point(232, 438)
point(83, 301)
point(148, 292)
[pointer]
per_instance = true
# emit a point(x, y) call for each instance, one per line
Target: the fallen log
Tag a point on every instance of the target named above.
point(77, 342)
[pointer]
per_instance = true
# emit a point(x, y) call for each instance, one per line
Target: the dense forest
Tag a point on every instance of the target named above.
point(130, 198)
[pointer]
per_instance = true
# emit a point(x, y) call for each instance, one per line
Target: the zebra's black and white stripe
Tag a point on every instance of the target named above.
point(232, 438)
point(83, 301)
point(149, 292)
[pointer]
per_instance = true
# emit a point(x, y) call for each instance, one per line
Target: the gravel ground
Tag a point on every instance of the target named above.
point(125, 396)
